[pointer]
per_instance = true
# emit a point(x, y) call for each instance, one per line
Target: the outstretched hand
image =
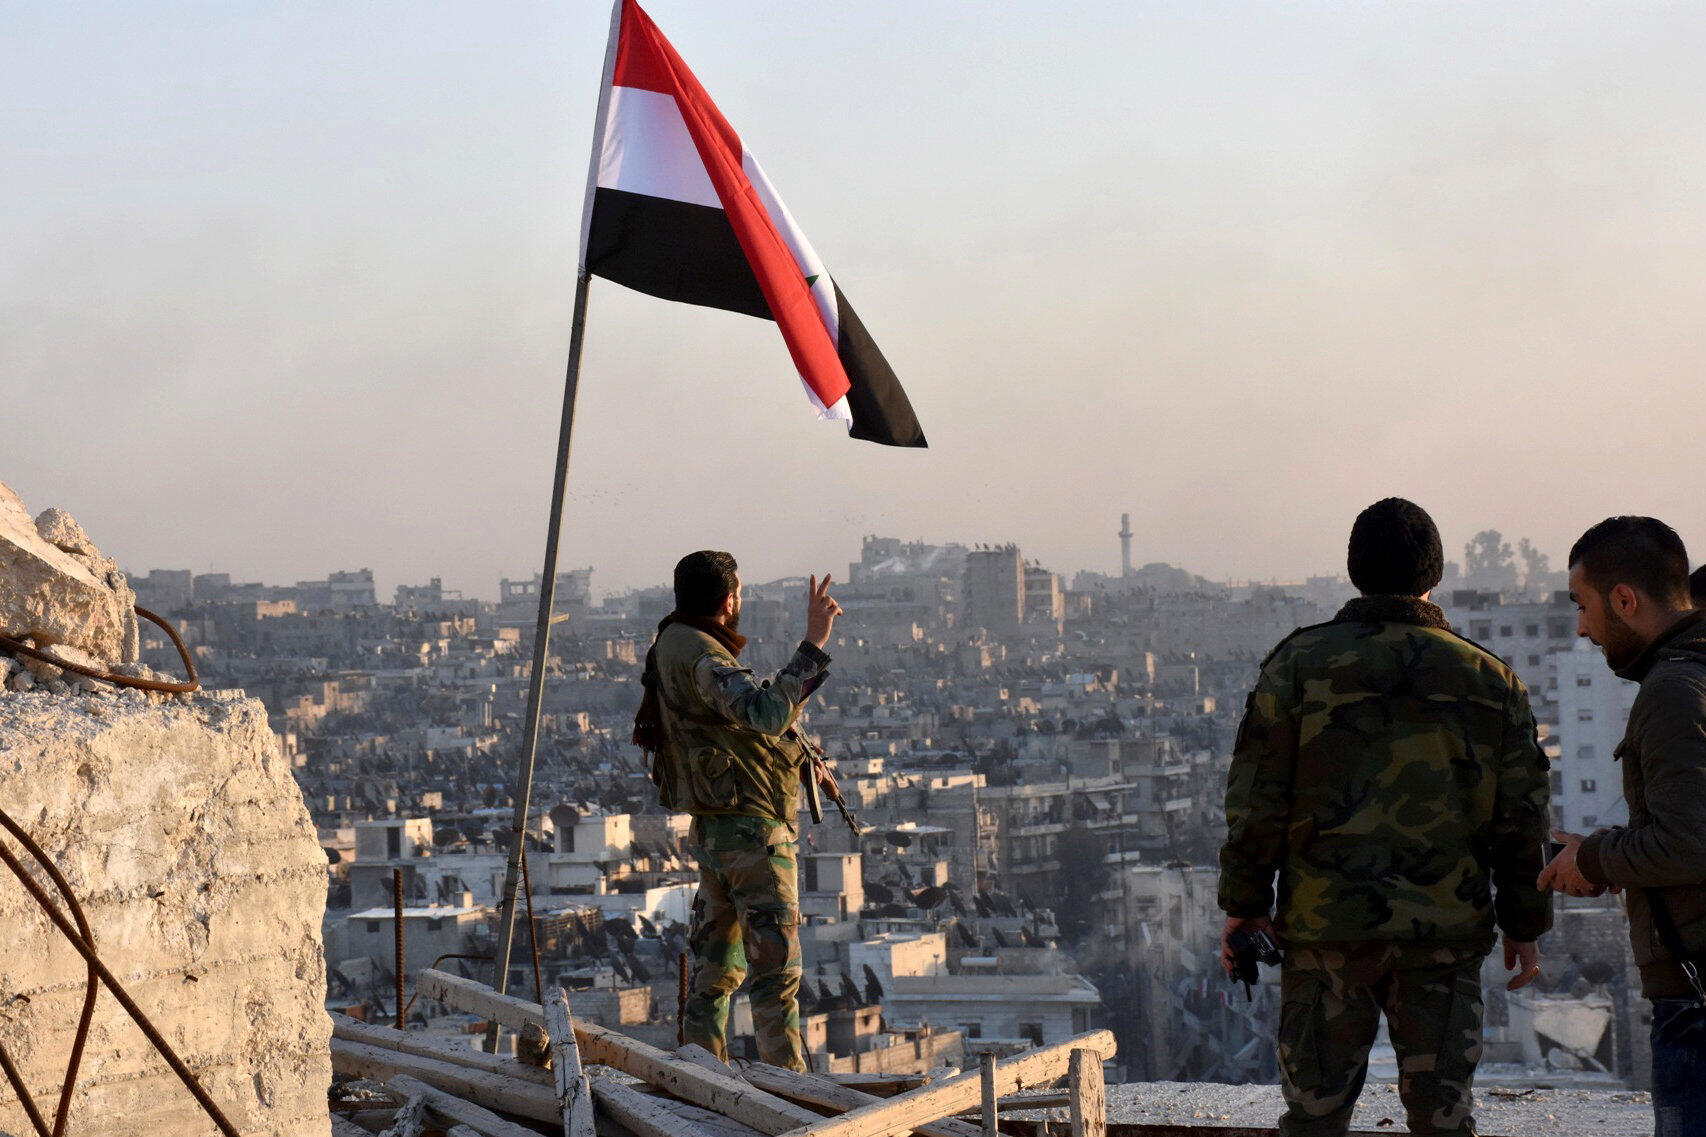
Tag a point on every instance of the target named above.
point(1562, 873)
point(821, 611)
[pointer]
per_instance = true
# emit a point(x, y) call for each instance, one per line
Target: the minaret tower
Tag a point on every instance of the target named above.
point(1125, 544)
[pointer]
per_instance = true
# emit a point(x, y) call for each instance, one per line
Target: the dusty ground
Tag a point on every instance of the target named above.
point(1499, 1112)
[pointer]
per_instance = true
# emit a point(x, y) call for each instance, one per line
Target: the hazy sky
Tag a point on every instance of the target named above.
point(285, 288)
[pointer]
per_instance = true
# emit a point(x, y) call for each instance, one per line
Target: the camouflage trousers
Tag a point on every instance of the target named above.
point(1331, 1002)
point(746, 917)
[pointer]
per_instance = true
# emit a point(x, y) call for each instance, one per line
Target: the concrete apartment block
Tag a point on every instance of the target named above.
point(179, 827)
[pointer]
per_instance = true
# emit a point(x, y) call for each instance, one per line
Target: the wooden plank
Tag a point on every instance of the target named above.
point(426, 1046)
point(456, 1110)
point(1047, 1099)
point(830, 1095)
point(991, 1107)
point(494, 1091)
point(717, 1091)
point(464, 1131)
point(1089, 1099)
point(573, 1093)
point(882, 1085)
point(906, 1111)
point(643, 1115)
point(342, 1128)
point(409, 1121)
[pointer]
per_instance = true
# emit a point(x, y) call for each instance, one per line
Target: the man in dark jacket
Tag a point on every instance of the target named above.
point(1629, 581)
point(1388, 772)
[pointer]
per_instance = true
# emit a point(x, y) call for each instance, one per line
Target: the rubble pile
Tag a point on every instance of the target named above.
point(394, 1081)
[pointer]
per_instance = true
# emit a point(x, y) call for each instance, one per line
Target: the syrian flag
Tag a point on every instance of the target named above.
point(681, 210)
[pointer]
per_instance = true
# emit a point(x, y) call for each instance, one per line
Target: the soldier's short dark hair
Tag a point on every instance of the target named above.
point(1697, 586)
point(1642, 552)
point(703, 580)
point(1395, 549)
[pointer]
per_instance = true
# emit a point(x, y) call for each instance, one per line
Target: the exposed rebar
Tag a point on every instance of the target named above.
point(397, 908)
point(86, 948)
point(532, 929)
point(170, 686)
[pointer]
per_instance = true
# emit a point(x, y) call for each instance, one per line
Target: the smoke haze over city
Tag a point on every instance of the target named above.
point(287, 290)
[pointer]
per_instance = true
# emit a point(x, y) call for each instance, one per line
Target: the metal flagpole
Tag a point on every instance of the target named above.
point(553, 534)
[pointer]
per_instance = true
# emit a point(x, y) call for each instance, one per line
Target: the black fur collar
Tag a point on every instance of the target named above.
point(1393, 610)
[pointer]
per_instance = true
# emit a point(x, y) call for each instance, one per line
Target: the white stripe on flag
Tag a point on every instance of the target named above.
point(647, 150)
point(823, 289)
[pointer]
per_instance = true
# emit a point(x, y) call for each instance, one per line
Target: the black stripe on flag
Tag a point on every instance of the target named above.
point(674, 250)
point(881, 411)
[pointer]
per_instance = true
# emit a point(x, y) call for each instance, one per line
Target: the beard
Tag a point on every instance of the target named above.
point(1620, 643)
point(733, 622)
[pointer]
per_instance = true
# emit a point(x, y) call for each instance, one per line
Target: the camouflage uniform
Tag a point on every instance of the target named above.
point(729, 760)
point(1388, 772)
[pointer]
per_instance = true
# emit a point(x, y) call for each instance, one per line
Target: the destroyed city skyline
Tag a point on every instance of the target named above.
point(351, 833)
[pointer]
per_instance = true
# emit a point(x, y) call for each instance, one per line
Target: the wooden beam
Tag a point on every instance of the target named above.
point(573, 1093)
point(426, 1046)
point(719, 1092)
point(831, 1095)
point(453, 1108)
point(644, 1115)
point(906, 1111)
point(494, 1091)
point(479, 999)
point(991, 1108)
point(882, 1085)
point(1089, 1099)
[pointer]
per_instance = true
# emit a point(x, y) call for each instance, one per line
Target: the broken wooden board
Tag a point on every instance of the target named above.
point(494, 1091)
point(573, 1093)
point(882, 1085)
point(643, 1114)
point(907, 1111)
point(427, 1046)
point(1089, 1099)
point(819, 1092)
point(720, 1092)
point(456, 1110)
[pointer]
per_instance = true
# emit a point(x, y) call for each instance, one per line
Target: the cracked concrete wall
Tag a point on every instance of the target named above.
point(181, 830)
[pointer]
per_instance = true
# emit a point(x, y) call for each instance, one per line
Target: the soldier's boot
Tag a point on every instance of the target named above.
point(719, 965)
point(773, 945)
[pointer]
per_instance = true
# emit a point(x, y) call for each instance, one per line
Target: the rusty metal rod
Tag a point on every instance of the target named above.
point(397, 907)
point(87, 951)
point(90, 993)
point(172, 687)
point(532, 928)
point(681, 1002)
point(23, 1092)
point(441, 959)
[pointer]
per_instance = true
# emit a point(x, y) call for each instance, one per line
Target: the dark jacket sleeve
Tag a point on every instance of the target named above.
point(1258, 794)
point(1669, 731)
point(1516, 846)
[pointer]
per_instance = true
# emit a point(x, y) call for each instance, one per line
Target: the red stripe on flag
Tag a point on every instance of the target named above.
point(645, 60)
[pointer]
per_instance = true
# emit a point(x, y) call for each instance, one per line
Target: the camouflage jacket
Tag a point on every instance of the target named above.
point(1388, 771)
point(726, 751)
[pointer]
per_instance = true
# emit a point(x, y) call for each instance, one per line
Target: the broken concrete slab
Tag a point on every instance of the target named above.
point(180, 828)
point(56, 587)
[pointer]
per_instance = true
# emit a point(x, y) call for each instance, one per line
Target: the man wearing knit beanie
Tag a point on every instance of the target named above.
point(1388, 774)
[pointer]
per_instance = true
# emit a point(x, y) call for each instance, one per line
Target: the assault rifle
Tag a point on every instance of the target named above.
point(810, 770)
